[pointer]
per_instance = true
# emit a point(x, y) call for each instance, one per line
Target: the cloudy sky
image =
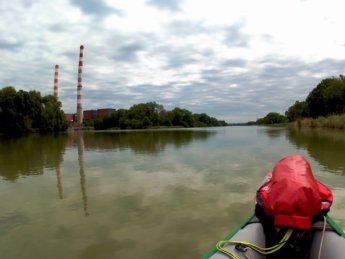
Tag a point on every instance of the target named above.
point(234, 60)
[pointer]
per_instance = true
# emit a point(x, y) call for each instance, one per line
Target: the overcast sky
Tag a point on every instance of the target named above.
point(234, 60)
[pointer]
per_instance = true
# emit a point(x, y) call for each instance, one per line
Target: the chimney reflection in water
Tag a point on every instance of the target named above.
point(80, 144)
point(59, 184)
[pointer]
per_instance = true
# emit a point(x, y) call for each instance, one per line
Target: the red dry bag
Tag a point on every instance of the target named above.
point(291, 196)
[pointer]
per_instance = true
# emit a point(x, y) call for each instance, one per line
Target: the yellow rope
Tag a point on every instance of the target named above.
point(261, 250)
point(322, 237)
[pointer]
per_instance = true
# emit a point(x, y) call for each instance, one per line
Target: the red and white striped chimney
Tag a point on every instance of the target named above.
point(79, 96)
point(56, 80)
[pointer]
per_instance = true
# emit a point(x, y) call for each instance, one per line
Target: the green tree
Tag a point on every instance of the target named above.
point(177, 117)
point(297, 111)
point(144, 111)
point(23, 112)
point(272, 118)
point(187, 118)
point(98, 124)
point(327, 97)
point(202, 120)
point(153, 111)
point(165, 118)
point(9, 123)
point(182, 117)
point(151, 114)
point(52, 118)
point(121, 118)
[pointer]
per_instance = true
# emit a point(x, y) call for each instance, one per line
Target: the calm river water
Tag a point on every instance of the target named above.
point(146, 194)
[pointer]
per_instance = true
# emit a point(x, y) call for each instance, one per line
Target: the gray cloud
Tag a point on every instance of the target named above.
point(234, 63)
point(128, 52)
point(126, 47)
point(179, 57)
point(171, 5)
point(234, 37)
point(10, 46)
point(57, 28)
point(328, 65)
point(96, 7)
point(186, 28)
point(271, 85)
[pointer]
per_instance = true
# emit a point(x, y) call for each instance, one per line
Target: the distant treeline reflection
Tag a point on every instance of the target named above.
point(31, 154)
point(145, 141)
point(325, 146)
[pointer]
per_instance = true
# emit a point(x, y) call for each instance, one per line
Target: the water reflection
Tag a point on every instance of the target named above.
point(325, 146)
point(80, 144)
point(144, 141)
point(30, 155)
point(273, 132)
point(59, 182)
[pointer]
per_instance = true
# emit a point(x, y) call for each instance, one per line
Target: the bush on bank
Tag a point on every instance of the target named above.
point(332, 121)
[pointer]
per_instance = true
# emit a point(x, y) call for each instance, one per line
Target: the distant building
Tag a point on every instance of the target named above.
point(90, 114)
point(102, 112)
point(69, 117)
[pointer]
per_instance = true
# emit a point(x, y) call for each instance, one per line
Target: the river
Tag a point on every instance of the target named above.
point(146, 194)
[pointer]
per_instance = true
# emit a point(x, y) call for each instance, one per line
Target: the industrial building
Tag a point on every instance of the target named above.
point(90, 114)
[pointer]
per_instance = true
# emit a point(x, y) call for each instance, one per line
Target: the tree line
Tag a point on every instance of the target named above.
point(150, 115)
point(23, 112)
point(327, 98)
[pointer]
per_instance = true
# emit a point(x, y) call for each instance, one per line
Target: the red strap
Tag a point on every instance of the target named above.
point(293, 221)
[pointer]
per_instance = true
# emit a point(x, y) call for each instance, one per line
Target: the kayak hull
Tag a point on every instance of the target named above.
point(333, 244)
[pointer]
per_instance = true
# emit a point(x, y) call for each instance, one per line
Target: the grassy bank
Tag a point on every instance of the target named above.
point(333, 122)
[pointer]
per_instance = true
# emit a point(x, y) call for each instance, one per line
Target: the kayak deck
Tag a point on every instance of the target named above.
point(251, 230)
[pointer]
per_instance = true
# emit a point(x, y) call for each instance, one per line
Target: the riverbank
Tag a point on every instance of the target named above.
point(333, 122)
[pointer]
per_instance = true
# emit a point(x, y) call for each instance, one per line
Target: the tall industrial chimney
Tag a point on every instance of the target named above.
point(56, 80)
point(79, 96)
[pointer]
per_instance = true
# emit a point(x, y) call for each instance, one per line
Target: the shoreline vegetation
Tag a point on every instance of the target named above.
point(330, 122)
point(23, 112)
point(152, 115)
point(327, 122)
point(324, 107)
